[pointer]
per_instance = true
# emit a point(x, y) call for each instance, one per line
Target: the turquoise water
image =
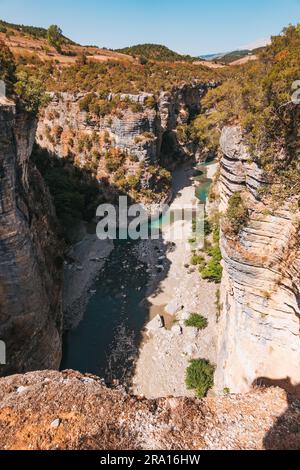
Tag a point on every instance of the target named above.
point(203, 189)
point(106, 342)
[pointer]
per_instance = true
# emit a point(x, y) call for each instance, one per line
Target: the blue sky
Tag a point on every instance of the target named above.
point(187, 26)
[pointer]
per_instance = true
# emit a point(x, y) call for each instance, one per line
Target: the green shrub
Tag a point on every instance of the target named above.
point(218, 304)
point(237, 213)
point(150, 102)
point(75, 193)
point(55, 38)
point(200, 377)
point(7, 67)
point(31, 92)
point(197, 260)
point(213, 271)
point(196, 321)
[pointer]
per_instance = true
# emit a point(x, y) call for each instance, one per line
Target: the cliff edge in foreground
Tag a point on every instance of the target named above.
point(51, 410)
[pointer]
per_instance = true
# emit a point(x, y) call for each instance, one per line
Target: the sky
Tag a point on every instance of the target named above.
point(187, 26)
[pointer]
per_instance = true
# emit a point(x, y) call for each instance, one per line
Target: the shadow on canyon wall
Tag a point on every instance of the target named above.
point(285, 433)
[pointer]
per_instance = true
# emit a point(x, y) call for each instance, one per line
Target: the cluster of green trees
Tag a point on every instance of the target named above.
point(98, 104)
point(27, 88)
point(31, 30)
point(155, 52)
point(209, 259)
point(7, 68)
point(36, 32)
point(120, 77)
point(258, 97)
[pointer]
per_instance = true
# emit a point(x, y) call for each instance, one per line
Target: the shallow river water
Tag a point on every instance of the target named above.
point(107, 340)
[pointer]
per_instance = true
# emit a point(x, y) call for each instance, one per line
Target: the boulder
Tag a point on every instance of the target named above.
point(156, 324)
point(174, 307)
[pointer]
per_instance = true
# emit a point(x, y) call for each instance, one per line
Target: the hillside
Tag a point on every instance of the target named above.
point(30, 46)
point(155, 52)
point(238, 57)
point(34, 31)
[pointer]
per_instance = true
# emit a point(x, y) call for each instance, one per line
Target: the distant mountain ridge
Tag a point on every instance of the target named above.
point(233, 56)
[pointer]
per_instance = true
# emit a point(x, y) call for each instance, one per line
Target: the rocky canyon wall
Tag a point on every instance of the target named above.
point(30, 254)
point(260, 293)
point(142, 126)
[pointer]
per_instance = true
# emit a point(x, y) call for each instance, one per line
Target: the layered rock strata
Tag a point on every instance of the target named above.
point(260, 294)
point(30, 253)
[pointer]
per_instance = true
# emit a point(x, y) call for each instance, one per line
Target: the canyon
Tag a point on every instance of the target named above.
point(112, 316)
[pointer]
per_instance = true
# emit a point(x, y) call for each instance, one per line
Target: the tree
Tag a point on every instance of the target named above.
point(7, 67)
point(30, 91)
point(54, 36)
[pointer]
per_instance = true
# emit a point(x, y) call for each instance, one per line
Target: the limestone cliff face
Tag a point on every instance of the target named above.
point(148, 132)
point(260, 321)
point(30, 262)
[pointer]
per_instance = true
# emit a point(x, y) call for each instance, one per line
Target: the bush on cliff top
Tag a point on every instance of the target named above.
point(120, 77)
point(7, 67)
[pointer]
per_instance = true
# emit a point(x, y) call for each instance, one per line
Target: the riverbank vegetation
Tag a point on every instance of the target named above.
point(196, 321)
point(208, 260)
point(200, 377)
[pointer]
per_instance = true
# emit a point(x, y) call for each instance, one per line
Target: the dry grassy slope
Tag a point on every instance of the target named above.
point(25, 46)
point(51, 410)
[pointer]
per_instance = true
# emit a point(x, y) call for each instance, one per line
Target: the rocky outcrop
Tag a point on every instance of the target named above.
point(68, 411)
point(145, 133)
point(260, 294)
point(30, 255)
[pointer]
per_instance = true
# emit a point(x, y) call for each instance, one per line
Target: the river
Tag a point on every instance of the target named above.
point(106, 342)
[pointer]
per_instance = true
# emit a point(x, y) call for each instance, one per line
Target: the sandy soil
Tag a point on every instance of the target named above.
point(165, 353)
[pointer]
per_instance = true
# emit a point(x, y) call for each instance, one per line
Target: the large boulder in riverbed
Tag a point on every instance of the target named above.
point(156, 324)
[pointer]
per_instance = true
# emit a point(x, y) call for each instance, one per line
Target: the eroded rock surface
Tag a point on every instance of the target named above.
point(71, 411)
point(30, 254)
point(259, 326)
